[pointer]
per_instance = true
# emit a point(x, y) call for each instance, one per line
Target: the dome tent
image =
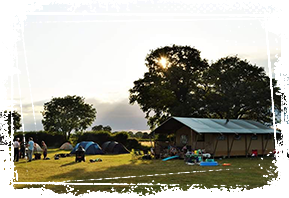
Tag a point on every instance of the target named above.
point(37, 148)
point(66, 146)
point(91, 148)
point(111, 147)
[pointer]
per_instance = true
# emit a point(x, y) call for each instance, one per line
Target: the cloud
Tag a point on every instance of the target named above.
point(119, 115)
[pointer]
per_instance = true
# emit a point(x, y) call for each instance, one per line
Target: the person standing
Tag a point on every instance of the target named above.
point(16, 149)
point(23, 146)
point(30, 149)
point(44, 148)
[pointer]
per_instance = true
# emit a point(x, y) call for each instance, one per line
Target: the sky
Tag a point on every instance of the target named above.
point(97, 51)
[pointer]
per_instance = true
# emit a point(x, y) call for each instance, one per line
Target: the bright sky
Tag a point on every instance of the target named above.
point(99, 56)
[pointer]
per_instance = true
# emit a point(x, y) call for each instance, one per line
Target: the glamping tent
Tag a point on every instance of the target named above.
point(91, 148)
point(220, 137)
point(66, 146)
point(111, 147)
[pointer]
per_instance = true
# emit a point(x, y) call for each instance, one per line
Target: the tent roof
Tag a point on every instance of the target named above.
point(89, 147)
point(206, 125)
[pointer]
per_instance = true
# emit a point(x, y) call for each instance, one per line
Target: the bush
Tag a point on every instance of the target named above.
point(96, 136)
point(51, 139)
point(102, 136)
point(121, 137)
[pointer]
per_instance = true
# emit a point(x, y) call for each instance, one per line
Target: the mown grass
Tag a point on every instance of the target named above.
point(243, 172)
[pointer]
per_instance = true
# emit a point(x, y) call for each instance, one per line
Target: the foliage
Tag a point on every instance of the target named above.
point(101, 128)
point(99, 137)
point(121, 137)
point(107, 128)
point(51, 139)
point(187, 86)
point(97, 128)
point(237, 89)
point(169, 90)
point(66, 114)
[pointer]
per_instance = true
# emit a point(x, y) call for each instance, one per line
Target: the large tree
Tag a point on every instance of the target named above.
point(67, 114)
point(180, 83)
point(172, 84)
point(237, 89)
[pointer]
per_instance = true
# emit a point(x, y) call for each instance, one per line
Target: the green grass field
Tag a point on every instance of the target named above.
point(124, 172)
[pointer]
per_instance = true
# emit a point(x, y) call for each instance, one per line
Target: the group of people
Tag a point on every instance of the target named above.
point(20, 149)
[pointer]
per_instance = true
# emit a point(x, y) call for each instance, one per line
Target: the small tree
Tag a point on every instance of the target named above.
point(107, 128)
point(138, 134)
point(67, 114)
point(97, 128)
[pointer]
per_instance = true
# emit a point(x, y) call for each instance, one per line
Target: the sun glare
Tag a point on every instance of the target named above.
point(163, 62)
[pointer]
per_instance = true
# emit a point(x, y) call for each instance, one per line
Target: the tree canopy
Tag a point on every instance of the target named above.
point(180, 83)
point(171, 85)
point(67, 114)
point(237, 89)
point(101, 128)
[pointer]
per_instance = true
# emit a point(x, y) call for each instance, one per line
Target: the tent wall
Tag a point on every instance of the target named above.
point(229, 146)
point(184, 131)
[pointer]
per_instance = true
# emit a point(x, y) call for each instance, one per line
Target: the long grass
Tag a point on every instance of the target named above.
point(129, 170)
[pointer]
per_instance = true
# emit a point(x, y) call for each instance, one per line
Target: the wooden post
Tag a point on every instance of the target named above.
point(246, 151)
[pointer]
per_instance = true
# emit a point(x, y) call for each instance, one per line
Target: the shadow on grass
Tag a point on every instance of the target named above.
point(69, 164)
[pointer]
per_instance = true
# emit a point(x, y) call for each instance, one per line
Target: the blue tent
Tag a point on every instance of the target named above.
point(91, 148)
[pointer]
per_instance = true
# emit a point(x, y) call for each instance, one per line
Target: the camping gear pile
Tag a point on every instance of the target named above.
point(96, 160)
point(200, 158)
point(61, 155)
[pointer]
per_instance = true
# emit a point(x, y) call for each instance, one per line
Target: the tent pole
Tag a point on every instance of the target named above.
point(215, 147)
point(266, 142)
point(231, 146)
point(195, 147)
point(246, 151)
point(191, 138)
point(262, 145)
point(228, 154)
point(249, 144)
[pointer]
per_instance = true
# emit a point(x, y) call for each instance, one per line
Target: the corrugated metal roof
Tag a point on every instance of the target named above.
point(206, 125)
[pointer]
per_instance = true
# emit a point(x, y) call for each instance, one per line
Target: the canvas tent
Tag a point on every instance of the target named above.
point(37, 148)
point(220, 137)
point(66, 146)
point(112, 147)
point(91, 148)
